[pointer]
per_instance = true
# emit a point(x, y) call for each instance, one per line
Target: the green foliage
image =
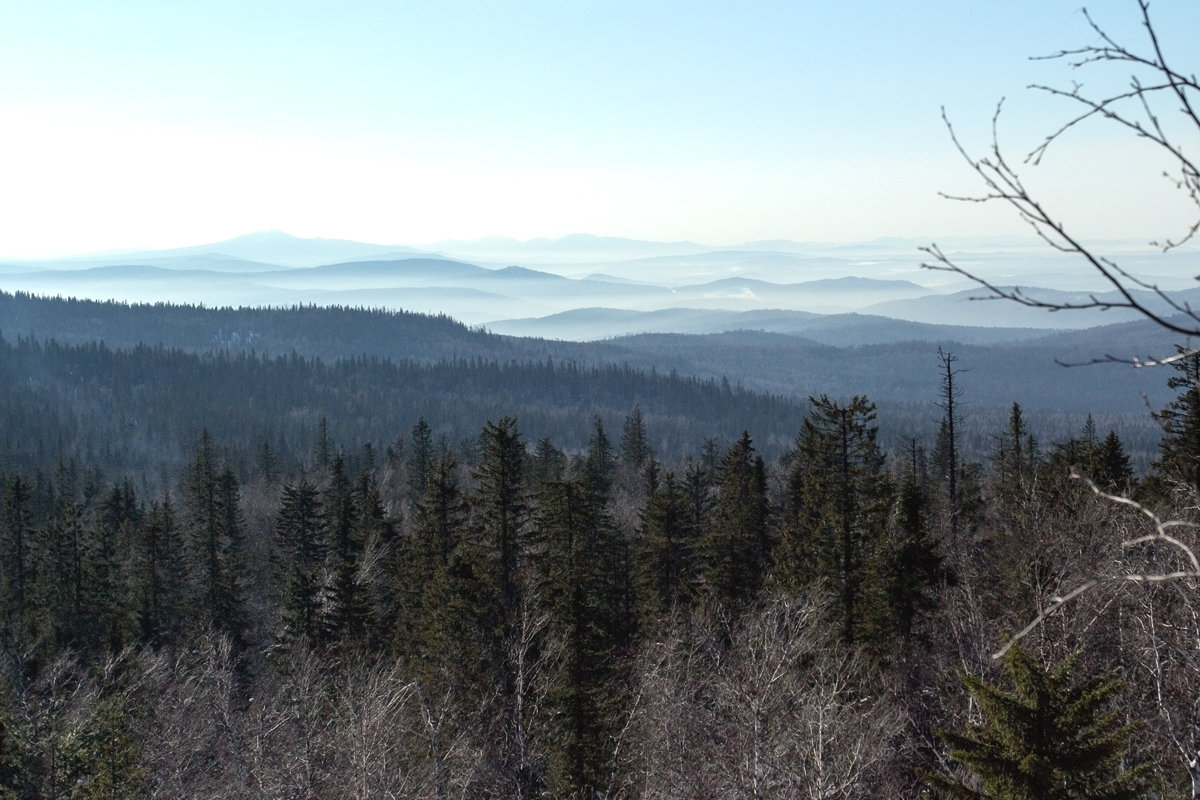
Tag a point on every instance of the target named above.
point(635, 443)
point(213, 553)
point(667, 551)
point(912, 566)
point(585, 591)
point(836, 510)
point(1179, 447)
point(301, 543)
point(1054, 736)
point(735, 547)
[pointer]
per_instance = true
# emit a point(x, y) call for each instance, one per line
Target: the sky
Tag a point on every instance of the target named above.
point(128, 124)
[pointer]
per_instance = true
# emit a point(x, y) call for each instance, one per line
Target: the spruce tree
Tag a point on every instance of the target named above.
point(912, 564)
point(301, 544)
point(635, 444)
point(666, 551)
point(212, 514)
point(1111, 469)
point(736, 547)
point(158, 578)
point(1055, 735)
point(1179, 447)
point(836, 509)
point(16, 559)
point(584, 591)
point(420, 459)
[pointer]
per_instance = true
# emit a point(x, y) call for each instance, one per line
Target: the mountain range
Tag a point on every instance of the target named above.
point(588, 287)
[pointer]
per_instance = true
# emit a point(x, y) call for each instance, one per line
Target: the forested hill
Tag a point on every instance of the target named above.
point(323, 332)
point(141, 409)
point(893, 371)
point(900, 376)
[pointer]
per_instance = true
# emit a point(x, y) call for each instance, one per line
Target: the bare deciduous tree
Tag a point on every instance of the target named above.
point(781, 709)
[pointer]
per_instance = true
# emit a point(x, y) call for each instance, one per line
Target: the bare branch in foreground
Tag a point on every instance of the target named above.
point(1160, 535)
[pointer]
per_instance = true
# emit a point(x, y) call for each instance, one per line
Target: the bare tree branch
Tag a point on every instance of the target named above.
point(1137, 109)
point(1160, 535)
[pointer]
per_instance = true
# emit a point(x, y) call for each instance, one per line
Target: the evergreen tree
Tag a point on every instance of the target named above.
point(665, 563)
point(500, 506)
point(420, 459)
point(302, 544)
point(1110, 468)
point(1054, 736)
point(347, 610)
point(10, 766)
point(599, 465)
point(913, 565)
point(1017, 458)
point(489, 577)
point(1179, 447)
point(426, 629)
point(635, 444)
point(585, 589)
point(16, 559)
point(61, 571)
point(158, 578)
point(836, 509)
point(947, 443)
point(548, 462)
point(735, 548)
point(214, 541)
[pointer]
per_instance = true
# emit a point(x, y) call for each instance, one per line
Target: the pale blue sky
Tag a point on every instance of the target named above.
point(130, 124)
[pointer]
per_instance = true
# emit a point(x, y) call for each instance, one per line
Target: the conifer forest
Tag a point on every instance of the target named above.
point(239, 575)
point(336, 552)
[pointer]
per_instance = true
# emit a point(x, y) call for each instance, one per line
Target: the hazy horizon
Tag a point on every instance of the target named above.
point(137, 126)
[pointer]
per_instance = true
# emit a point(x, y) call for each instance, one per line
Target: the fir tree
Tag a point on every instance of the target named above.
point(665, 561)
point(584, 589)
point(1179, 447)
point(1054, 736)
point(302, 544)
point(635, 444)
point(735, 548)
point(420, 459)
point(836, 508)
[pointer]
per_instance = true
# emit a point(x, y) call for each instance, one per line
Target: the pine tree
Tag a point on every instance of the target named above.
point(1054, 736)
